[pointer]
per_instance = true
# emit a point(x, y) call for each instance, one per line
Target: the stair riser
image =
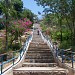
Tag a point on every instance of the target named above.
point(38, 41)
point(33, 43)
point(39, 61)
point(38, 73)
point(39, 50)
point(37, 45)
point(29, 57)
point(50, 53)
point(38, 54)
point(42, 47)
point(39, 65)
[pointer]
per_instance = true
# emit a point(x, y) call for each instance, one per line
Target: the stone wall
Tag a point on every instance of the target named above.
point(63, 65)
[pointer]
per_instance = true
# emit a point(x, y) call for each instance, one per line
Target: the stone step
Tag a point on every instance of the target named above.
point(39, 57)
point(45, 52)
point(38, 46)
point(34, 39)
point(37, 49)
point(39, 54)
point(37, 38)
point(39, 60)
point(38, 43)
point(39, 65)
point(40, 71)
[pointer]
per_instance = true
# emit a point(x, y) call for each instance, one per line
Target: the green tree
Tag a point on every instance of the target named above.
point(7, 10)
point(65, 11)
point(28, 14)
point(18, 6)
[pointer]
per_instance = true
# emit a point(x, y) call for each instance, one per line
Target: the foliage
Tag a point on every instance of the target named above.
point(0, 9)
point(66, 35)
point(19, 27)
point(16, 46)
point(18, 6)
point(28, 14)
point(64, 12)
point(2, 24)
point(65, 44)
point(47, 19)
point(43, 27)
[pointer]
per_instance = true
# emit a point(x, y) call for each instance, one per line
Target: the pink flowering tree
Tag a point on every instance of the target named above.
point(18, 28)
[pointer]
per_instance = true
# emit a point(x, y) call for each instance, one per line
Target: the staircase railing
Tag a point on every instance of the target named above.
point(15, 55)
point(66, 56)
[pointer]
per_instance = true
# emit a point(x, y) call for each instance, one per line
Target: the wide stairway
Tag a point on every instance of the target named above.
point(39, 60)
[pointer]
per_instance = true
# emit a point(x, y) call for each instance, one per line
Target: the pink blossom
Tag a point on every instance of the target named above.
point(4, 30)
point(27, 30)
point(27, 23)
point(13, 31)
point(15, 22)
point(24, 19)
point(19, 21)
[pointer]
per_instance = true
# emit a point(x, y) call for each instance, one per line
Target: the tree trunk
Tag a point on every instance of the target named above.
point(6, 36)
point(73, 34)
point(60, 24)
point(7, 23)
point(60, 30)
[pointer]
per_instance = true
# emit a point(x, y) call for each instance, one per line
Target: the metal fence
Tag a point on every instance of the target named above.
point(66, 56)
point(11, 57)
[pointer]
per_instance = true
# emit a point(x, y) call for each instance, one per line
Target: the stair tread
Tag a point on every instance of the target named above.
point(40, 69)
point(39, 63)
point(47, 49)
point(38, 57)
point(39, 52)
point(38, 43)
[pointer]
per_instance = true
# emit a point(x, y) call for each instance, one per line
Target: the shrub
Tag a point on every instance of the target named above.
point(16, 46)
point(65, 44)
point(56, 35)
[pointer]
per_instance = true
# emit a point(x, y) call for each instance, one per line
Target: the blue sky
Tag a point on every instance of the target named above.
point(31, 4)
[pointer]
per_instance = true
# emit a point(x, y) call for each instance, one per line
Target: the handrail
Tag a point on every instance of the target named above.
point(21, 53)
point(11, 51)
point(61, 52)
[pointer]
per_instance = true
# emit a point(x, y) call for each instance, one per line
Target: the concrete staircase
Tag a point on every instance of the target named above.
point(39, 60)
